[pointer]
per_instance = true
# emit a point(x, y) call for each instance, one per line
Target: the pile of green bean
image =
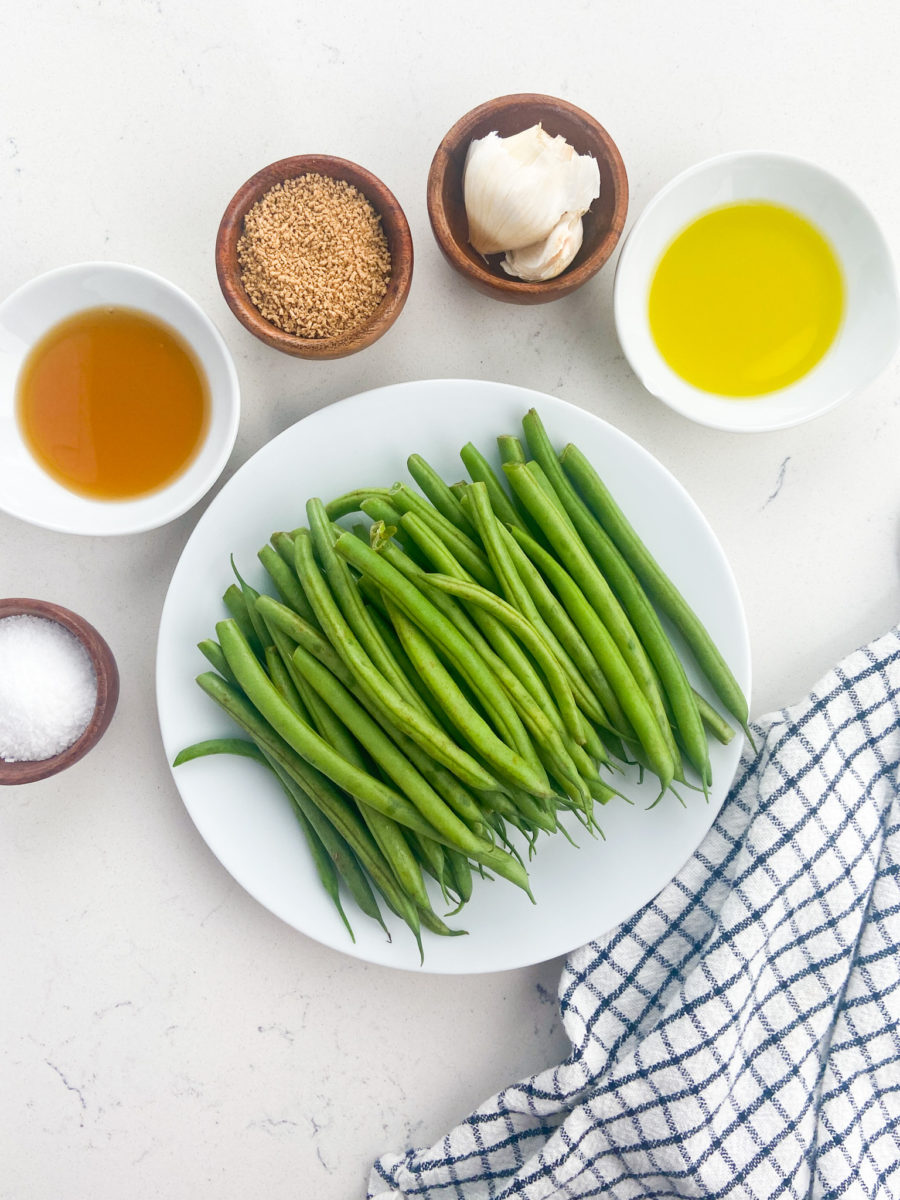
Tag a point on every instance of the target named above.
point(452, 675)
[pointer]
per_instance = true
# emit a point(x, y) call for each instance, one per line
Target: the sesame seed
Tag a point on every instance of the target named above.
point(314, 258)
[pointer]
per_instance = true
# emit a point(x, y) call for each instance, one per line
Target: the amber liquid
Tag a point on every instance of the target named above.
point(113, 403)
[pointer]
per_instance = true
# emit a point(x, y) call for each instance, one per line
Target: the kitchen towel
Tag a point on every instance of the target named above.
point(740, 1035)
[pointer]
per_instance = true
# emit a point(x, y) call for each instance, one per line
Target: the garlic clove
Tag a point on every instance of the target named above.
point(550, 257)
point(516, 189)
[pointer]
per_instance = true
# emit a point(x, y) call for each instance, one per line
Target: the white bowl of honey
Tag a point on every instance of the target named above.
point(755, 292)
point(119, 401)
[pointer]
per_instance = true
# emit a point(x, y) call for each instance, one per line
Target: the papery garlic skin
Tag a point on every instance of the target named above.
point(548, 258)
point(516, 189)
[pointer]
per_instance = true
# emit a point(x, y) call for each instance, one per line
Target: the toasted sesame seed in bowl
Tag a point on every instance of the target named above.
point(314, 256)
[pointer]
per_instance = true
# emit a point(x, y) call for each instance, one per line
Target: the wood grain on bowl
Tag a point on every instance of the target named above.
point(603, 222)
point(396, 231)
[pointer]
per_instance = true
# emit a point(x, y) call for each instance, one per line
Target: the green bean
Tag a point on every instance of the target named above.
point(347, 866)
point(438, 493)
point(326, 864)
point(220, 745)
point(296, 691)
point(430, 858)
point(287, 689)
point(236, 603)
point(250, 597)
point(212, 652)
point(472, 593)
point(598, 594)
point(471, 665)
point(313, 708)
point(716, 724)
point(443, 823)
point(325, 798)
point(310, 745)
point(283, 576)
point(535, 813)
point(326, 867)
point(631, 595)
point(349, 502)
point(480, 505)
point(511, 448)
point(502, 809)
point(422, 729)
point(591, 578)
point(482, 472)
point(661, 589)
point(396, 849)
point(464, 548)
point(279, 616)
point(446, 826)
point(441, 779)
point(510, 765)
point(434, 924)
point(512, 451)
point(283, 544)
point(506, 720)
point(344, 589)
point(517, 595)
point(379, 509)
point(444, 782)
point(499, 649)
point(460, 874)
point(594, 695)
point(610, 659)
point(378, 613)
point(490, 639)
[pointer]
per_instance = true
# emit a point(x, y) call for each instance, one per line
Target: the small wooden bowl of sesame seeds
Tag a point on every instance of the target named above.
point(314, 256)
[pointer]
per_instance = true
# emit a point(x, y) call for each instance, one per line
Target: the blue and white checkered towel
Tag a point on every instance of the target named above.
point(740, 1036)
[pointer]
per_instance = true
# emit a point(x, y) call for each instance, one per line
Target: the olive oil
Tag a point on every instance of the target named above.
point(746, 300)
point(113, 403)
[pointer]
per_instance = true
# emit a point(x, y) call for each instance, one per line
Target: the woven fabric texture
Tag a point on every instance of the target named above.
point(740, 1035)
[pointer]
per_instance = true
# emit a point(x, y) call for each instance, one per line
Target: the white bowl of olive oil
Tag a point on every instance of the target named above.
point(755, 292)
point(119, 401)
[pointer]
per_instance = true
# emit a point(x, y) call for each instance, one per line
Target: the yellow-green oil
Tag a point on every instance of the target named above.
point(746, 300)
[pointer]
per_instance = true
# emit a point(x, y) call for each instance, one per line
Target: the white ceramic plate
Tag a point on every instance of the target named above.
point(581, 893)
point(26, 490)
point(867, 338)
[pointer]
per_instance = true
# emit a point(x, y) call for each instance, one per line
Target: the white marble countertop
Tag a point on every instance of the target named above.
point(161, 1034)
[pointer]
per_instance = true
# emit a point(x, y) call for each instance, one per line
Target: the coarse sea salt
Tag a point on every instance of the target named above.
point(48, 688)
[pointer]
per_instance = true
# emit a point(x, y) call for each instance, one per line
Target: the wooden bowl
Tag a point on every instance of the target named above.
point(603, 223)
point(107, 690)
point(396, 231)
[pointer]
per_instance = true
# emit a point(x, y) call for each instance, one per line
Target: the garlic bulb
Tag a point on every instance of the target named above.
point(548, 258)
point(517, 191)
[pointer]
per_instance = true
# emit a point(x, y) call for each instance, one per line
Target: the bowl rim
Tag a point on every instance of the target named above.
point(393, 221)
point(738, 422)
point(510, 287)
point(230, 402)
point(107, 674)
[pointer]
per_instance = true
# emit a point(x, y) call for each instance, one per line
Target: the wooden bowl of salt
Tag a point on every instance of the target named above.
point(59, 685)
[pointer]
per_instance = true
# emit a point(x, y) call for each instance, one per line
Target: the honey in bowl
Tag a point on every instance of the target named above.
point(113, 403)
point(746, 300)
